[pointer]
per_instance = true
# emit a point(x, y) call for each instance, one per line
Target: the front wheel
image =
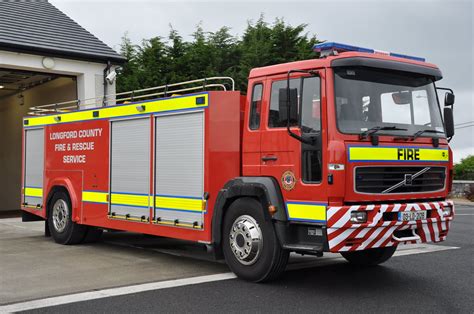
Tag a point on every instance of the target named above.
point(251, 248)
point(370, 257)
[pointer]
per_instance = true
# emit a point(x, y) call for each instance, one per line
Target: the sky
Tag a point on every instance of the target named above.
point(440, 31)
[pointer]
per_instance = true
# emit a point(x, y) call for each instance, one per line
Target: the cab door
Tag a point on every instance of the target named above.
point(251, 145)
point(295, 164)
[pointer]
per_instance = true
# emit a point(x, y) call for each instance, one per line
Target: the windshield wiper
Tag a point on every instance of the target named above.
point(420, 132)
point(375, 129)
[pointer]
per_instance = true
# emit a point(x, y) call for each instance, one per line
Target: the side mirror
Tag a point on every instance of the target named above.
point(449, 121)
point(449, 99)
point(283, 106)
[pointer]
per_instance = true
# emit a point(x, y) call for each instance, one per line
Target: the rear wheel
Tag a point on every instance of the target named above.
point(251, 248)
point(370, 257)
point(62, 228)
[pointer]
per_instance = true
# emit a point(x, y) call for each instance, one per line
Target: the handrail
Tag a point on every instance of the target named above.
point(116, 98)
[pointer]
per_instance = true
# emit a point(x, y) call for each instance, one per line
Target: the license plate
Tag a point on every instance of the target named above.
point(413, 215)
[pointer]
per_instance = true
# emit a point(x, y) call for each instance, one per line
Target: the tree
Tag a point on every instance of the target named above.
point(128, 76)
point(465, 169)
point(158, 61)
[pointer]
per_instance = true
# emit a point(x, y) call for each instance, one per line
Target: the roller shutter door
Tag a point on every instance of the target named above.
point(179, 178)
point(130, 168)
point(34, 167)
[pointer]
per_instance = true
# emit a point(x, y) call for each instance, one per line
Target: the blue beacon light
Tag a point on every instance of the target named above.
point(326, 48)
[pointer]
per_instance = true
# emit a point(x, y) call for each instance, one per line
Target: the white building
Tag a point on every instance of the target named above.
point(45, 57)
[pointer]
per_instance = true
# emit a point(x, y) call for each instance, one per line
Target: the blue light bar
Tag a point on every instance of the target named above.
point(328, 47)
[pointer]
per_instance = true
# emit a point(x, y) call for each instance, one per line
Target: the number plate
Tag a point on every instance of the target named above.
point(413, 215)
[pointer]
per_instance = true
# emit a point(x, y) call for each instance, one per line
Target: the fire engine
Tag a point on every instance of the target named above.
point(346, 153)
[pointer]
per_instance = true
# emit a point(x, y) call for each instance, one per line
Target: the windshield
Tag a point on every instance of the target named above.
point(369, 97)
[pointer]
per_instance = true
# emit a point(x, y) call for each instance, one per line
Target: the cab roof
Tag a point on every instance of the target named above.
point(352, 58)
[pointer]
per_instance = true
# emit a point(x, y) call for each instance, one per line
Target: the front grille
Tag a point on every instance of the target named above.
point(378, 179)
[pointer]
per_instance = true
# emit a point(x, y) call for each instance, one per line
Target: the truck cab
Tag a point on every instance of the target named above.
point(357, 143)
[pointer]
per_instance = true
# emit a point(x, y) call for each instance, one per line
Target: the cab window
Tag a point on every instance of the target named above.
point(274, 120)
point(256, 106)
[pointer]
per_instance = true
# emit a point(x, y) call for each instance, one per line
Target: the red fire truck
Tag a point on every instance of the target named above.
point(347, 153)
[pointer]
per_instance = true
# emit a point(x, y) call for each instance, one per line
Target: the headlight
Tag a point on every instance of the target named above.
point(358, 217)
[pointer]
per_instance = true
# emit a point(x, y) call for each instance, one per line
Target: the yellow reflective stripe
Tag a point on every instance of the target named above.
point(34, 192)
point(130, 199)
point(306, 211)
point(155, 106)
point(179, 203)
point(96, 197)
point(397, 154)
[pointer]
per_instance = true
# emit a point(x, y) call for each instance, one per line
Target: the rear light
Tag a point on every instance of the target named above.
point(359, 217)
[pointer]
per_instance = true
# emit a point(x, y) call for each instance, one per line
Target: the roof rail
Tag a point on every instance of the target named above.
point(219, 82)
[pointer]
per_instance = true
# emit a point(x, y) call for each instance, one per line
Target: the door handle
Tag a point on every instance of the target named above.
point(269, 158)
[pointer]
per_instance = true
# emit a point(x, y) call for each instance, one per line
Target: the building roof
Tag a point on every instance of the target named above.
point(38, 27)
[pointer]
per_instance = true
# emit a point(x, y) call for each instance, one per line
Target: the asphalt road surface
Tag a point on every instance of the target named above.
point(438, 281)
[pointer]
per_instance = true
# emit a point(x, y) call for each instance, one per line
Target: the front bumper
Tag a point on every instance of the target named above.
point(383, 228)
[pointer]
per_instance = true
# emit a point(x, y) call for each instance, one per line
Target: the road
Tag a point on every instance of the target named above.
point(441, 280)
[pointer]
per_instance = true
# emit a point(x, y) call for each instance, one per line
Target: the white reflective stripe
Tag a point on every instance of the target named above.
point(441, 215)
point(435, 231)
point(369, 207)
point(371, 238)
point(385, 237)
point(379, 215)
point(427, 232)
point(396, 207)
point(363, 232)
point(331, 211)
point(334, 242)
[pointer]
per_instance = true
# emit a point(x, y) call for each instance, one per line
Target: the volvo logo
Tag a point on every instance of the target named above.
point(407, 180)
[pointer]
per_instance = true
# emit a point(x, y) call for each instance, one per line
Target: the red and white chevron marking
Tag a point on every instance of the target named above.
point(343, 235)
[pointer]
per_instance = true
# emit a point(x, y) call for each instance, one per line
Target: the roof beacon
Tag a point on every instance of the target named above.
point(327, 49)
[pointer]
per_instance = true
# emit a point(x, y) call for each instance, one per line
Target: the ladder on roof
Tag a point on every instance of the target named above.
point(217, 82)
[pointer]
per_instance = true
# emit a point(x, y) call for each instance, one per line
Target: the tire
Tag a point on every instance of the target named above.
point(93, 235)
point(370, 257)
point(250, 245)
point(62, 228)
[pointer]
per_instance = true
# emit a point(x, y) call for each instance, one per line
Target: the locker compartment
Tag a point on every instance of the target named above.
point(179, 176)
point(34, 167)
point(130, 169)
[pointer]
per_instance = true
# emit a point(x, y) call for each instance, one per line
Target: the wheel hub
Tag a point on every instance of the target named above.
point(60, 215)
point(246, 239)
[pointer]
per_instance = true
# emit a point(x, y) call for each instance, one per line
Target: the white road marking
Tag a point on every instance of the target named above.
point(335, 258)
point(330, 258)
point(463, 215)
point(424, 248)
point(113, 292)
